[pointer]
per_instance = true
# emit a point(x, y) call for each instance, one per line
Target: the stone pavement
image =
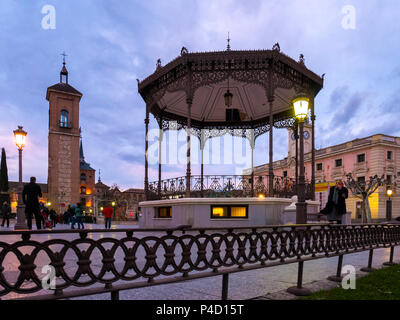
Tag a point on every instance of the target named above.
point(267, 283)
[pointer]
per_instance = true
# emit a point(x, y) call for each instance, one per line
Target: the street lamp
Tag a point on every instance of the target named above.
point(300, 105)
point(113, 205)
point(389, 193)
point(20, 140)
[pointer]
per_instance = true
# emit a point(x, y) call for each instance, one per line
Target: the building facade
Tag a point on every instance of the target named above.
point(126, 203)
point(378, 154)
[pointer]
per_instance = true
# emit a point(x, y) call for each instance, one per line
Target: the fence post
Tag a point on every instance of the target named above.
point(338, 277)
point(369, 268)
point(115, 295)
point(390, 262)
point(299, 290)
point(225, 279)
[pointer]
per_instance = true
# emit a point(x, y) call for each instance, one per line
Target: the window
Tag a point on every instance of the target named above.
point(83, 176)
point(83, 202)
point(361, 158)
point(389, 155)
point(389, 178)
point(64, 123)
point(229, 212)
point(338, 162)
point(319, 166)
point(83, 190)
point(164, 212)
point(284, 174)
point(361, 179)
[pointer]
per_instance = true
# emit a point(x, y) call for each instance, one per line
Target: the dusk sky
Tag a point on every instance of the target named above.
point(111, 43)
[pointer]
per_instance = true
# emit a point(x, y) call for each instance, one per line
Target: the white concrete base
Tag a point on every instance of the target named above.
point(196, 212)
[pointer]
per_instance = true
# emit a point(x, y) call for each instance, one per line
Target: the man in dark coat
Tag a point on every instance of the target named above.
point(30, 196)
point(6, 212)
point(336, 205)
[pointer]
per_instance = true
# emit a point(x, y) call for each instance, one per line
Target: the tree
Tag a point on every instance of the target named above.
point(4, 178)
point(363, 189)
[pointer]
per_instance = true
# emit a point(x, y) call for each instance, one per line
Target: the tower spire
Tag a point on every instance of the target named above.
point(64, 71)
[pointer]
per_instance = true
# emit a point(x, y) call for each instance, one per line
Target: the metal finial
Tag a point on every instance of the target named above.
point(228, 47)
point(64, 55)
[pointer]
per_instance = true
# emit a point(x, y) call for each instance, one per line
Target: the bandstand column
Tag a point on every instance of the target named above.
point(188, 172)
point(160, 139)
point(271, 147)
point(312, 148)
point(202, 145)
point(252, 146)
point(146, 148)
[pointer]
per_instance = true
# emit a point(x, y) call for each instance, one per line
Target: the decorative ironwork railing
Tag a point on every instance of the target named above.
point(133, 258)
point(225, 186)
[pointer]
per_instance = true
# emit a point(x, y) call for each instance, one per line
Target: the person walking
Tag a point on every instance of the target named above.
point(108, 213)
point(78, 216)
point(336, 205)
point(72, 217)
point(30, 196)
point(53, 217)
point(6, 212)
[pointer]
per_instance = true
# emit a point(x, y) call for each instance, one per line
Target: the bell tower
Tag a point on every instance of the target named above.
point(63, 146)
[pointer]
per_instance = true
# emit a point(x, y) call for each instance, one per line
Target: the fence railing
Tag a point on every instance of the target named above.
point(134, 258)
point(225, 186)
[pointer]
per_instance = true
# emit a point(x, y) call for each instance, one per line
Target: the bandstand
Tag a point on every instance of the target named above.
point(209, 94)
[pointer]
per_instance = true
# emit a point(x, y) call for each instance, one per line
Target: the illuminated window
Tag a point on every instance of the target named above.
point(164, 212)
point(238, 212)
point(228, 212)
point(218, 212)
point(83, 190)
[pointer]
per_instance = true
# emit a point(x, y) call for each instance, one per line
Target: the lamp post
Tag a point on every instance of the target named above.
point(113, 205)
point(389, 192)
point(20, 139)
point(300, 105)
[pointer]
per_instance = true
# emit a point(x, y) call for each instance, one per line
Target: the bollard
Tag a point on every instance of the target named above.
point(390, 262)
point(299, 290)
point(338, 277)
point(369, 268)
point(225, 279)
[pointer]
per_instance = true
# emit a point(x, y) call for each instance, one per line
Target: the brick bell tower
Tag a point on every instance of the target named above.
point(64, 137)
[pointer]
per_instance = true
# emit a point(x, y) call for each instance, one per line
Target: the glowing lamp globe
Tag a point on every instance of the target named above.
point(301, 107)
point(20, 137)
point(389, 191)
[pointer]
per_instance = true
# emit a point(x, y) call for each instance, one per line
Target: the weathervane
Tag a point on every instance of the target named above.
point(228, 47)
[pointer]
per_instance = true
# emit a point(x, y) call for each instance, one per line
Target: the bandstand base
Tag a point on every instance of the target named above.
point(197, 212)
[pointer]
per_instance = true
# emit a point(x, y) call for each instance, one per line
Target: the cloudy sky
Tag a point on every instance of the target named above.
point(111, 43)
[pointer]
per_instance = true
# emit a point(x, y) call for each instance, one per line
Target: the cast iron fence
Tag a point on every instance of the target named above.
point(140, 258)
point(225, 186)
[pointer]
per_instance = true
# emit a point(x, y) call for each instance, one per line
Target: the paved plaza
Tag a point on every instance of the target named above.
point(268, 282)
